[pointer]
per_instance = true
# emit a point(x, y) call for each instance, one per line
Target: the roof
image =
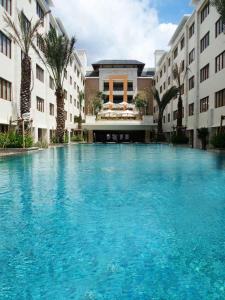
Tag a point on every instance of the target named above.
point(125, 62)
point(179, 28)
point(118, 62)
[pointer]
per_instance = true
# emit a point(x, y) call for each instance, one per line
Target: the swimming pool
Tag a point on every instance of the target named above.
point(113, 222)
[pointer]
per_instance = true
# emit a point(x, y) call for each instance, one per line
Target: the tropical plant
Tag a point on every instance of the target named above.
point(220, 7)
point(15, 140)
point(57, 52)
point(203, 134)
point(162, 103)
point(177, 75)
point(24, 35)
point(140, 102)
point(81, 99)
point(98, 103)
point(218, 140)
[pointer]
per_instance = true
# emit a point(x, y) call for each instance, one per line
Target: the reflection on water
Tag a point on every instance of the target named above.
point(220, 161)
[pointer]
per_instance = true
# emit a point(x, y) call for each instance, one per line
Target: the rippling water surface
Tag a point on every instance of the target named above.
point(113, 222)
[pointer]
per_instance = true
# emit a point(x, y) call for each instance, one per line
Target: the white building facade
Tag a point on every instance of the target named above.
point(43, 100)
point(198, 45)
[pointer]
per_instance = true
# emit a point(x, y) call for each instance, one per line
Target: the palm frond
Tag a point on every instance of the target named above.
point(155, 93)
point(220, 7)
point(168, 96)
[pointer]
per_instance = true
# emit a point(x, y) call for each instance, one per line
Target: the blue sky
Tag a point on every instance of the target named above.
point(122, 29)
point(171, 10)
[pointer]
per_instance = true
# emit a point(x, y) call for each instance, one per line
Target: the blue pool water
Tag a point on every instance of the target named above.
point(113, 222)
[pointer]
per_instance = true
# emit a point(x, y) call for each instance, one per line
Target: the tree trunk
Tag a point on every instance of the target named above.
point(80, 122)
point(25, 92)
point(179, 115)
point(160, 127)
point(60, 119)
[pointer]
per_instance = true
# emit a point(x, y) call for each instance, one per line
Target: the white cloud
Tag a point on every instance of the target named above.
point(115, 29)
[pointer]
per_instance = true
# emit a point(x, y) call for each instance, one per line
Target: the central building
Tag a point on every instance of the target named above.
point(119, 119)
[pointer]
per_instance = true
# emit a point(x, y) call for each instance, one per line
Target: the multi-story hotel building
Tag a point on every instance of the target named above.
point(119, 121)
point(198, 46)
point(43, 103)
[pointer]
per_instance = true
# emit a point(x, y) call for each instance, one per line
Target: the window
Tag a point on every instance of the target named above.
point(39, 73)
point(39, 42)
point(5, 45)
point(164, 85)
point(118, 86)
point(78, 73)
point(130, 86)
point(65, 74)
point(191, 109)
point(39, 10)
point(65, 94)
point(71, 99)
point(5, 89)
point(220, 62)
point(7, 4)
point(26, 22)
point(169, 61)
point(191, 56)
point(169, 80)
point(106, 86)
point(220, 98)
point(71, 80)
point(205, 12)
point(219, 27)
point(160, 89)
point(204, 43)
point(160, 73)
point(175, 53)
point(204, 104)
point(168, 117)
point(182, 43)
point(191, 30)
point(51, 83)
point(40, 104)
point(51, 109)
point(182, 66)
point(191, 83)
point(204, 73)
point(175, 115)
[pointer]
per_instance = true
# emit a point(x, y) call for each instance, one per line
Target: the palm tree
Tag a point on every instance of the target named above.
point(177, 75)
point(98, 103)
point(162, 103)
point(81, 99)
point(57, 51)
point(220, 7)
point(140, 103)
point(24, 36)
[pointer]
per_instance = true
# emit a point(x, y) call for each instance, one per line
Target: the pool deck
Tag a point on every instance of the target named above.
point(16, 151)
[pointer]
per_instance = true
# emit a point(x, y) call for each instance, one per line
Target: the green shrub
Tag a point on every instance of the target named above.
point(76, 138)
point(218, 140)
point(3, 140)
point(15, 140)
point(179, 139)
